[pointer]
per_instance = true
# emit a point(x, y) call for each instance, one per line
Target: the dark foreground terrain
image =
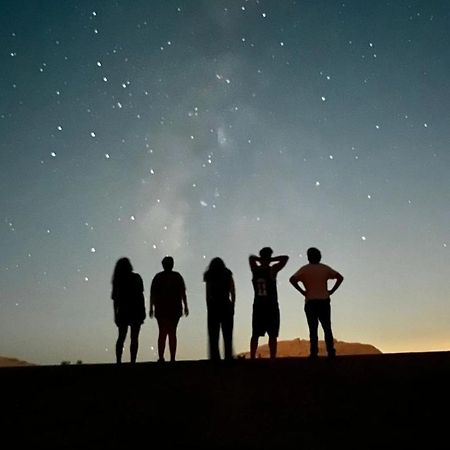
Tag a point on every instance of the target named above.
point(372, 401)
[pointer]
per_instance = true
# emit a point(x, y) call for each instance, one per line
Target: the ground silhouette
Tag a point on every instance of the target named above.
point(363, 401)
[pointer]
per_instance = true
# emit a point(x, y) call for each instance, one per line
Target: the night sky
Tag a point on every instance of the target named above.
point(214, 128)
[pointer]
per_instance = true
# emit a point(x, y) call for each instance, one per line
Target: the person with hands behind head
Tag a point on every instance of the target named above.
point(266, 312)
point(168, 302)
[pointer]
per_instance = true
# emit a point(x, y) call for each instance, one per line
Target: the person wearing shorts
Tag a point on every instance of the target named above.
point(168, 302)
point(266, 312)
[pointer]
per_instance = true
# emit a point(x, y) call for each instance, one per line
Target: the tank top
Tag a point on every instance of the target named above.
point(264, 285)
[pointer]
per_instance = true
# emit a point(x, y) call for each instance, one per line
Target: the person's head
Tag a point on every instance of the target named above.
point(314, 255)
point(216, 265)
point(123, 267)
point(216, 270)
point(266, 253)
point(167, 263)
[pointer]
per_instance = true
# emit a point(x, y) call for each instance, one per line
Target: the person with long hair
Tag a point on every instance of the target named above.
point(220, 301)
point(129, 306)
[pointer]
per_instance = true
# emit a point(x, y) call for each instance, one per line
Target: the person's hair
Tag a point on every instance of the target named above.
point(167, 263)
point(123, 267)
point(266, 252)
point(216, 269)
point(314, 255)
point(216, 265)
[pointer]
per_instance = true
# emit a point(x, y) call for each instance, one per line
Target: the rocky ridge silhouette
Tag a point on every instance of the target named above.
point(300, 347)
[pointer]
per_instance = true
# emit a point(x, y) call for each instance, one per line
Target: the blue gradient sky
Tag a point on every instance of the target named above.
point(213, 128)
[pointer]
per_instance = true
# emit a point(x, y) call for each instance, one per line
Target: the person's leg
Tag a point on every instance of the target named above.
point(273, 346)
point(324, 314)
point(172, 331)
point(253, 346)
point(120, 341)
point(162, 338)
point(134, 341)
point(313, 324)
point(227, 332)
point(257, 324)
point(213, 335)
point(273, 328)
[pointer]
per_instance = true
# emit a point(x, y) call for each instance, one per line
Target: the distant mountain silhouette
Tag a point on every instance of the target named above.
point(300, 347)
point(13, 362)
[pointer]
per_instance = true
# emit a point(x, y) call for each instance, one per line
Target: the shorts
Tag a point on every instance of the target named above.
point(265, 319)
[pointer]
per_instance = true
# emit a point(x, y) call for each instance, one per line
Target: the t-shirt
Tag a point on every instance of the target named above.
point(315, 277)
point(129, 299)
point(166, 292)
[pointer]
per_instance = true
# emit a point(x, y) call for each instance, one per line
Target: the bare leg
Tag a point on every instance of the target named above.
point(162, 339)
point(173, 342)
point(273, 347)
point(120, 341)
point(134, 344)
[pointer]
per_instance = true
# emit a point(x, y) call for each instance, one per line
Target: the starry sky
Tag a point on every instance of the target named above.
point(214, 128)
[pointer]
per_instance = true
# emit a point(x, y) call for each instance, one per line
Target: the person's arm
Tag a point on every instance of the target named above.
point(253, 260)
point(142, 296)
point(184, 298)
point(116, 311)
point(114, 298)
point(232, 291)
point(151, 312)
point(295, 282)
point(280, 262)
point(339, 280)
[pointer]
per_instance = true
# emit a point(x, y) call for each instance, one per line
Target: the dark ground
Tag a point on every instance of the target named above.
point(365, 402)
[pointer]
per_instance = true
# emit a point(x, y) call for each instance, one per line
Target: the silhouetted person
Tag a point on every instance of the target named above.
point(129, 306)
point(167, 301)
point(266, 313)
point(314, 277)
point(220, 300)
